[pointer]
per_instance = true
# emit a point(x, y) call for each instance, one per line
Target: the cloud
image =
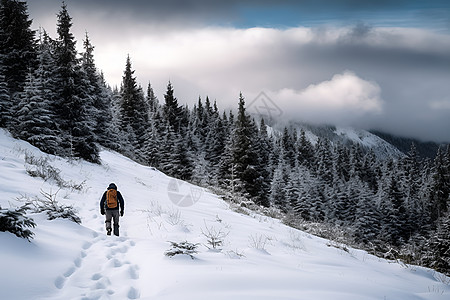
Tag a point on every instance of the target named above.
point(343, 100)
point(396, 73)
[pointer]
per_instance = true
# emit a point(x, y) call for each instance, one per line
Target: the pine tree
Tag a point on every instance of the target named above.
point(398, 213)
point(440, 184)
point(288, 143)
point(367, 224)
point(152, 100)
point(438, 247)
point(17, 43)
point(4, 100)
point(35, 121)
point(342, 163)
point(17, 54)
point(172, 111)
point(305, 150)
point(278, 191)
point(215, 148)
point(35, 110)
point(324, 161)
point(134, 112)
point(245, 156)
point(74, 103)
point(99, 109)
point(412, 185)
point(303, 206)
point(264, 151)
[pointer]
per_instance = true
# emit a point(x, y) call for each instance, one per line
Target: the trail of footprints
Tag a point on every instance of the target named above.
point(104, 262)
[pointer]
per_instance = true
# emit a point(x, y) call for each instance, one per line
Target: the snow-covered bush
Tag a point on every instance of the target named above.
point(16, 222)
point(182, 248)
point(50, 205)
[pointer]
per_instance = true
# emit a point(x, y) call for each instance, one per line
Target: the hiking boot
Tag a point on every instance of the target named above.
point(108, 231)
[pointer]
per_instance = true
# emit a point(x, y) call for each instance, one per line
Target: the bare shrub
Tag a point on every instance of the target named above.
point(214, 237)
point(41, 167)
point(259, 241)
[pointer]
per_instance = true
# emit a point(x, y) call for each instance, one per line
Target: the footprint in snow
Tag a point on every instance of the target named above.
point(116, 263)
point(69, 272)
point(133, 293)
point(77, 262)
point(60, 281)
point(133, 271)
point(86, 245)
point(96, 276)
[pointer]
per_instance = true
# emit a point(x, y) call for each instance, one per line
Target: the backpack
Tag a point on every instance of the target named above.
point(111, 198)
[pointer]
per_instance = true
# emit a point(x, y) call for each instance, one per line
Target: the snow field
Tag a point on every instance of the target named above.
point(260, 258)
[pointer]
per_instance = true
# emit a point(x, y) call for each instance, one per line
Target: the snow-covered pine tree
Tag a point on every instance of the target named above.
point(216, 138)
point(152, 100)
point(341, 162)
point(278, 193)
point(35, 120)
point(134, 112)
point(438, 247)
point(172, 111)
point(367, 218)
point(73, 102)
point(288, 142)
point(245, 154)
point(441, 184)
point(35, 117)
point(17, 54)
point(99, 111)
point(264, 167)
point(324, 160)
point(412, 184)
point(4, 99)
point(398, 228)
point(305, 150)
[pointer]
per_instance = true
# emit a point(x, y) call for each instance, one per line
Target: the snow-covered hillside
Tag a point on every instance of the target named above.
point(348, 135)
point(260, 258)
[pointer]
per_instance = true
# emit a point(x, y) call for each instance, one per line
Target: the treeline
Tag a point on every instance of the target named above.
point(56, 99)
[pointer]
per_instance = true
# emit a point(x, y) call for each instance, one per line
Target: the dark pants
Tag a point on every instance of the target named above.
point(112, 214)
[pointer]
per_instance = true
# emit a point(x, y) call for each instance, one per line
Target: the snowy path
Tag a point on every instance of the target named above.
point(100, 271)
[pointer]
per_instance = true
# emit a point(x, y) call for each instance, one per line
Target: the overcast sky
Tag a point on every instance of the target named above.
point(371, 64)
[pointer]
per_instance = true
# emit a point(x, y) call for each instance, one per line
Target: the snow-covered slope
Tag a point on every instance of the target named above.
point(348, 135)
point(260, 257)
point(380, 147)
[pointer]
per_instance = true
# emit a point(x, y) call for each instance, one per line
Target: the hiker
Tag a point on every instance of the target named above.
point(110, 204)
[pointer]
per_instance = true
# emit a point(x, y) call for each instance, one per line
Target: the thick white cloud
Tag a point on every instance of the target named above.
point(397, 73)
point(343, 100)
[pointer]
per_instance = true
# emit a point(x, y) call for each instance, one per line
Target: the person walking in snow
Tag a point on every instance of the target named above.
point(111, 203)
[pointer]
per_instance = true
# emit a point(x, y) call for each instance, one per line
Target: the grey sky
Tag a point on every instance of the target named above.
point(371, 64)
